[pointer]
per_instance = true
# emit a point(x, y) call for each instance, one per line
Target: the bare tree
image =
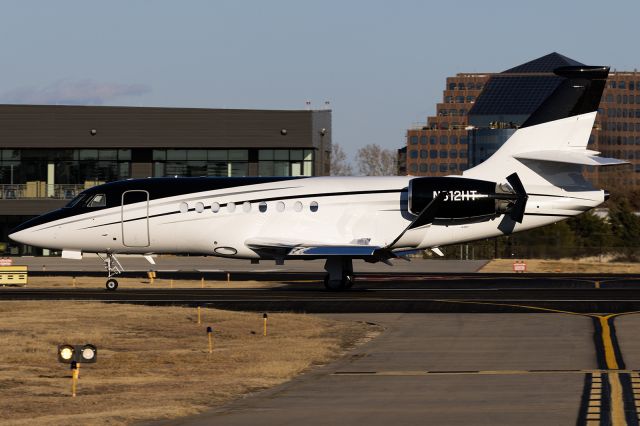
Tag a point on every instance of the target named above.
point(340, 165)
point(373, 160)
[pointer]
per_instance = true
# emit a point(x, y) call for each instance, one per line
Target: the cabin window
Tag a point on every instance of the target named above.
point(98, 200)
point(298, 206)
point(262, 207)
point(246, 207)
point(199, 207)
point(313, 206)
point(215, 207)
point(184, 207)
point(231, 207)
point(280, 206)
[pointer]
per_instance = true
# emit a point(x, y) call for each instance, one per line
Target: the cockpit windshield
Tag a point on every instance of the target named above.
point(75, 201)
point(98, 200)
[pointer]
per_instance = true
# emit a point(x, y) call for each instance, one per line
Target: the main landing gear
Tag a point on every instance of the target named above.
point(339, 273)
point(113, 267)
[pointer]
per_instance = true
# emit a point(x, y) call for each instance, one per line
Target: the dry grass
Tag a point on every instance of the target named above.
point(153, 362)
point(140, 283)
point(564, 266)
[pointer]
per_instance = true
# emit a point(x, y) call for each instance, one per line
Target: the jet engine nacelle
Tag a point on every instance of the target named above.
point(465, 200)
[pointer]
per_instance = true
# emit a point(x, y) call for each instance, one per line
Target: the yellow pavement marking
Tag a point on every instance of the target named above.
point(595, 403)
point(609, 354)
point(617, 403)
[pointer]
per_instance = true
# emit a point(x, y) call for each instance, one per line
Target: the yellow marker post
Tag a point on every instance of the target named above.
point(264, 320)
point(228, 277)
point(202, 282)
point(199, 316)
point(74, 379)
point(210, 336)
point(597, 283)
point(74, 282)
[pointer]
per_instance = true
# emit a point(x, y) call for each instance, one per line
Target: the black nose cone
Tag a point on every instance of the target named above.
point(606, 195)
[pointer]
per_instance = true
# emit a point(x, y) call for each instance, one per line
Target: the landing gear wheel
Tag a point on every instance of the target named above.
point(112, 284)
point(336, 285)
point(347, 281)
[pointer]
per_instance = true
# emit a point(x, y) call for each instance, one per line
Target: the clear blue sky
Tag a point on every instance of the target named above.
point(381, 64)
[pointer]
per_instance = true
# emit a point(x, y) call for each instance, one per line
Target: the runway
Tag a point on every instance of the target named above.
point(431, 293)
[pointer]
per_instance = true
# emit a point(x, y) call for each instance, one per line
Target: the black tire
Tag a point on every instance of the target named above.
point(347, 281)
point(112, 284)
point(332, 285)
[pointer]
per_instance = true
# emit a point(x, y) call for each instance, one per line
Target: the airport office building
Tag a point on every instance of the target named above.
point(48, 154)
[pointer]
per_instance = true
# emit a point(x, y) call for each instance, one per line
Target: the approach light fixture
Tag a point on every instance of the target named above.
point(93, 132)
point(86, 353)
point(283, 132)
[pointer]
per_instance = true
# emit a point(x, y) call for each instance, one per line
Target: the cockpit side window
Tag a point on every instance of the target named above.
point(75, 201)
point(98, 200)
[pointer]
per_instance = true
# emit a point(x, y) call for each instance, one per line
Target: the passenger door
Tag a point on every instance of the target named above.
point(135, 218)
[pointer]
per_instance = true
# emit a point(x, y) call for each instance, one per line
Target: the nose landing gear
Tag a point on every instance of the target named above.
point(113, 267)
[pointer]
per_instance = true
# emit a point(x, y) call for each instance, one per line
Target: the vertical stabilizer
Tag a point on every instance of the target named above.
point(551, 146)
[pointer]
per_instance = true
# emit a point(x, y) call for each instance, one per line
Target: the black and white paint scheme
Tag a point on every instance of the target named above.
point(533, 180)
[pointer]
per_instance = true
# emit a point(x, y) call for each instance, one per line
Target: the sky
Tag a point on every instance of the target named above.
point(381, 65)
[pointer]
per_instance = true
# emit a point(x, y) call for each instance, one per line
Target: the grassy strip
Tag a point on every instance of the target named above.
point(153, 362)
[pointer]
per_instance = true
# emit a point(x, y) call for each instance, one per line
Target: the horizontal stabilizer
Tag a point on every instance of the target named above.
point(583, 157)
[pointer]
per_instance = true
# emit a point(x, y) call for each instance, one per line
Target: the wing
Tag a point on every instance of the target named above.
point(277, 247)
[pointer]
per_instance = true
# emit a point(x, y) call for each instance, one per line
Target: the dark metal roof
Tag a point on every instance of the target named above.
point(545, 63)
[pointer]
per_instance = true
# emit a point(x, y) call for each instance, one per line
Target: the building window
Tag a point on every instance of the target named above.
point(459, 99)
point(423, 168)
point(286, 162)
point(463, 153)
point(452, 86)
point(424, 153)
point(622, 85)
point(444, 140)
point(453, 167)
point(413, 139)
point(463, 140)
point(453, 153)
point(433, 167)
point(423, 140)
point(413, 167)
point(631, 85)
point(444, 153)
point(413, 153)
point(443, 167)
point(433, 153)
point(433, 140)
point(453, 140)
point(471, 99)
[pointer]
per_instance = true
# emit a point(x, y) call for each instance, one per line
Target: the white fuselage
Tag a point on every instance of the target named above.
point(320, 210)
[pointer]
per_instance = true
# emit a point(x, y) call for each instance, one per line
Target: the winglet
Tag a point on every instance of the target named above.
point(517, 212)
point(425, 217)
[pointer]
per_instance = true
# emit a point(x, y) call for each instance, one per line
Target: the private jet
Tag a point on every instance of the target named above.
point(534, 179)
